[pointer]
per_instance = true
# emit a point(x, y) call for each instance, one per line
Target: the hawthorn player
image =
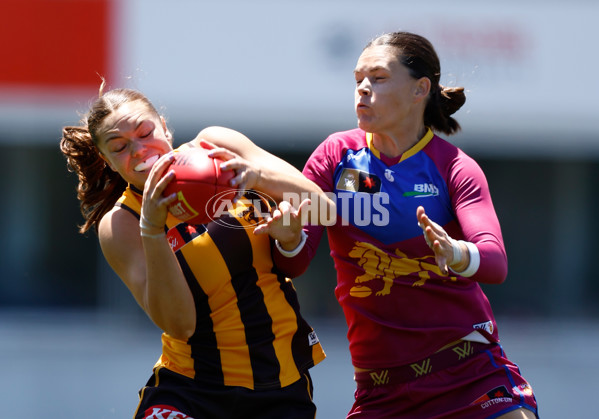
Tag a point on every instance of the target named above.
point(234, 341)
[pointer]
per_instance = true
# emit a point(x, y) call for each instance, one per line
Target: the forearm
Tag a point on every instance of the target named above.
point(493, 263)
point(167, 298)
point(296, 265)
point(274, 176)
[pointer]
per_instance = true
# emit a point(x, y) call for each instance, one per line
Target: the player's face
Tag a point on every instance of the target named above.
point(384, 96)
point(131, 139)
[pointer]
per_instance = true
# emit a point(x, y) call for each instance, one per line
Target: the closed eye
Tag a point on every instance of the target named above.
point(119, 148)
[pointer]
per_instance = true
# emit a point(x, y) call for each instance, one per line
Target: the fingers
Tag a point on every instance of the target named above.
point(429, 236)
point(420, 212)
point(157, 171)
point(301, 211)
point(154, 204)
point(436, 238)
point(221, 153)
point(246, 173)
point(262, 229)
point(206, 144)
point(284, 218)
point(306, 202)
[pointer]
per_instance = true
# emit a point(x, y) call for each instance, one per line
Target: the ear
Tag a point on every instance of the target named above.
point(422, 88)
point(107, 162)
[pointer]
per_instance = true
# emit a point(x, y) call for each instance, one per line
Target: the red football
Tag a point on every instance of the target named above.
point(200, 186)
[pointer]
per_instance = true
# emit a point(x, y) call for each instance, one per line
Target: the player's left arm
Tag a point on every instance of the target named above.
point(473, 206)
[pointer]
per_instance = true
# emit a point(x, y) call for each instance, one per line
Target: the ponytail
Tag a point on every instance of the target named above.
point(99, 186)
point(442, 103)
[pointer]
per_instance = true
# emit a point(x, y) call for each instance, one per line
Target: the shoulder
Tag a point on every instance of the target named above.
point(350, 137)
point(339, 142)
point(448, 156)
point(118, 233)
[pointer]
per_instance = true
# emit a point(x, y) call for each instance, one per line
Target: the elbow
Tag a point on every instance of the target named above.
point(493, 265)
point(179, 324)
point(180, 333)
point(493, 275)
point(293, 273)
point(499, 278)
point(181, 330)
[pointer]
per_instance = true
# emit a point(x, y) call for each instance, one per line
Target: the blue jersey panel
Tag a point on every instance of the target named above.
point(371, 194)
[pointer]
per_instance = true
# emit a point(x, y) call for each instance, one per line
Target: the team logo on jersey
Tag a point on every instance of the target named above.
point(380, 266)
point(354, 180)
point(497, 395)
point(389, 175)
point(423, 190)
point(183, 233)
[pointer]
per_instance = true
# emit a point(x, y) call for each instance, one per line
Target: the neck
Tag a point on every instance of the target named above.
point(395, 144)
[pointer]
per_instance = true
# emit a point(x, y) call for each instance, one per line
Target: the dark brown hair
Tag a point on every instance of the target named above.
point(418, 55)
point(99, 186)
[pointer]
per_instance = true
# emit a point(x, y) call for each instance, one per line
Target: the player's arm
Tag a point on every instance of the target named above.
point(258, 169)
point(479, 253)
point(151, 272)
point(479, 222)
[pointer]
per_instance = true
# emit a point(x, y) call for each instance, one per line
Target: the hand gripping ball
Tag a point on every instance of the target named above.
point(200, 185)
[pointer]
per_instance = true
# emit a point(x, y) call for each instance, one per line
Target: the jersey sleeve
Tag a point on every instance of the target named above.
point(294, 266)
point(318, 169)
point(471, 200)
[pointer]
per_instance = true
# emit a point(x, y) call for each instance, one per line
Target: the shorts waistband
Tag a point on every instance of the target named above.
point(436, 362)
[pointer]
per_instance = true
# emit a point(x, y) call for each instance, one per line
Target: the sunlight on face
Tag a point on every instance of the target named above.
point(384, 95)
point(131, 139)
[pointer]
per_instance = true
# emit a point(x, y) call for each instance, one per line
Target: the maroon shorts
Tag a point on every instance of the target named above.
point(484, 385)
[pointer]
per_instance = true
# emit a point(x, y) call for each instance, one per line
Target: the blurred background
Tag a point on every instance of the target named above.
point(74, 342)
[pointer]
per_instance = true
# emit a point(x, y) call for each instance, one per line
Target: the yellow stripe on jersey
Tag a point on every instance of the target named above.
point(222, 299)
point(428, 136)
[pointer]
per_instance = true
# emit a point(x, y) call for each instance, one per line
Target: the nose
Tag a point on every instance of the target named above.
point(136, 148)
point(363, 87)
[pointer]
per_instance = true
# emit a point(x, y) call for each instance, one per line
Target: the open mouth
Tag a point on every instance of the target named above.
point(147, 164)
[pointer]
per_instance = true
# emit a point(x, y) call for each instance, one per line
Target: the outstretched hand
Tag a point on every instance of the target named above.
point(285, 224)
point(438, 240)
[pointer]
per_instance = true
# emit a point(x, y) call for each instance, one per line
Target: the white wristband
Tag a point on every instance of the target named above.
point(144, 234)
point(474, 264)
point(292, 253)
point(145, 225)
point(457, 251)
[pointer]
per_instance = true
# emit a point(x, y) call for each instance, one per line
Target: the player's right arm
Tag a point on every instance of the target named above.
point(143, 259)
point(149, 269)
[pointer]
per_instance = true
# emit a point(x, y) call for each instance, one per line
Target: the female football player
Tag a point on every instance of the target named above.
point(234, 343)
